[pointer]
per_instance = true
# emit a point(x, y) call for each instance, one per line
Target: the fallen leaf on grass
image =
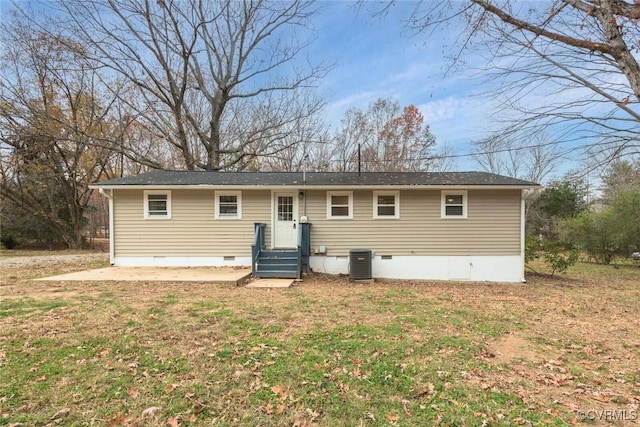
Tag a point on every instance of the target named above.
point(103, 352)
point(280, 391)
point(602, 396)
point(119, 420)
point(300, 422)
point(255, 384)
point(428, 390)
point(171, 387)
point(42, 378)
point(133, 393)
point(393, 417)
point(443, 374)
point(150, 411)
point(405, 409)
point(313, 414)
point(199, 407)
point(61, 413)
point(172, 422)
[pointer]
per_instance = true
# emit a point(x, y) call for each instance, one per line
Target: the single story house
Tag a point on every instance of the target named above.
point(401, 225)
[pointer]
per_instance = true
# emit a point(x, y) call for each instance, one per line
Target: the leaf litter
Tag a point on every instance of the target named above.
point(571, 343)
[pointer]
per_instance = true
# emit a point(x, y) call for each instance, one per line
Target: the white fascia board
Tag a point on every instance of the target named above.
point(314, 187)
point(412, 187)
point(106, 192)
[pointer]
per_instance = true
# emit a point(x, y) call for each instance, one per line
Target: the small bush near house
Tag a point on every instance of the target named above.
point(557, 257)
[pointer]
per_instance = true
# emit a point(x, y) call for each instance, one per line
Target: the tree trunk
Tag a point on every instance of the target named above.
point(619, 49)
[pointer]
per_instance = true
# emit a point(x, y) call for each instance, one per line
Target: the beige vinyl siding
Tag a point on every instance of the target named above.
point(192, 230)
point(491, 228)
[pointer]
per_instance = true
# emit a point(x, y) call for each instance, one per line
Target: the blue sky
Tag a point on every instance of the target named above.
point(374, 59)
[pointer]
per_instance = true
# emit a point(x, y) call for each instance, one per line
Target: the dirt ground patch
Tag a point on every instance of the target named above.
point(513, 346)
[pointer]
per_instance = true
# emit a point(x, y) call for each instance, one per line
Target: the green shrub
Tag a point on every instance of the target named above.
point(557, 257)
point(8, 242)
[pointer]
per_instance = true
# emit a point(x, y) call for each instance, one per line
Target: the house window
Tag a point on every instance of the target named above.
point(454, 204)
point(339, 205)
point(386, 204)
point(157, 204)
point(228, 205)
point(285, 208)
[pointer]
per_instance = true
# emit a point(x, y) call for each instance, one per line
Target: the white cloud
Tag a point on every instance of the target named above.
point(354, 100)
point(456, 120)
point(446, 108)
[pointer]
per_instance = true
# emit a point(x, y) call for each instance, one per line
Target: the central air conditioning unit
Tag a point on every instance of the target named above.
point(360, 264)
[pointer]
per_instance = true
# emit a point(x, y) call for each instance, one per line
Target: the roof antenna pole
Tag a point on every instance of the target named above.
point(359, 160)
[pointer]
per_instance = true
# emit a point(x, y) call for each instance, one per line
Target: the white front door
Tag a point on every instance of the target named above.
point(285, 221)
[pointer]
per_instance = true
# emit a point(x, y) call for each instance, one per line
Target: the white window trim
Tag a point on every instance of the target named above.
point(340, 193)
point(217, 195)
point(147, 193)
point(443, 204)
point(396, 204)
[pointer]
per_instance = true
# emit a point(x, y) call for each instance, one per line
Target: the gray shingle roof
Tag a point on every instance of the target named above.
point(317, 179)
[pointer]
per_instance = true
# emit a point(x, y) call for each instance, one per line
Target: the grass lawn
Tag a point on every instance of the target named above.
point(555, 351)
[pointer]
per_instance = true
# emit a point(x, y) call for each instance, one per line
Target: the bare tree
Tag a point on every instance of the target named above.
point(568, 66)
point(54, 129)
point(354, 132)
point(385, 137)
point(444, 158)
point(295, 145)
point(212, 78)
point(528, 157)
